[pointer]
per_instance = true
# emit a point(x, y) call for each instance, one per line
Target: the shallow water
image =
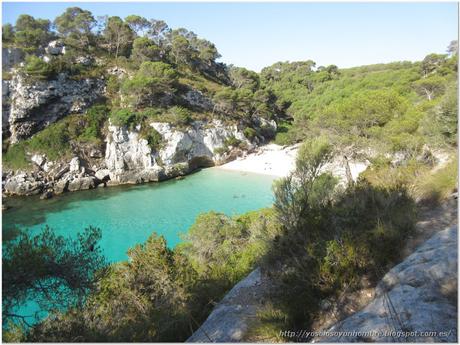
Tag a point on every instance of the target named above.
point(127, 215)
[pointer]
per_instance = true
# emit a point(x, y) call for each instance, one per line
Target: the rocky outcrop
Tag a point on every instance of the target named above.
point(231, 318)
point(418, 295)
point(199, 141)
point(129, 159)
point(11, 57)
point(36, 105)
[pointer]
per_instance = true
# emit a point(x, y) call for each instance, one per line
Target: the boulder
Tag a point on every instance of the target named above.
point(23, 184)
point(38, 159)
point(82, 183)
point(103, 174)
point(55, 48)
point(61, 186)
point(74, 164)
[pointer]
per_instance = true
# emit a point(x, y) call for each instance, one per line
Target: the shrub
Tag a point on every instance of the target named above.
point(14, 157)
point(249, 133)
point(123, 117)
point(94, 118)
point(179, 115)
point(37, 68)
point(52, 141)
point(152, 136)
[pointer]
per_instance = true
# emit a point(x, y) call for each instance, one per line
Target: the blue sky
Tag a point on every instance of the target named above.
point(254, 35)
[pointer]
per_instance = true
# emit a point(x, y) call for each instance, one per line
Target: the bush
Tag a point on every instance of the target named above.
point(249, 133)
point(329, 239)
point(37, 68)
point(153, 80)
point(94, 118)
point(152, 136)
point(434, 187)
point(14, 157)
point(179, 116)
point(123, 117)
point(52, 141)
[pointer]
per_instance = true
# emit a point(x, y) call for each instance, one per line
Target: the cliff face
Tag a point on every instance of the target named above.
point(35, 105)
point(129, 159)
point(125, 156)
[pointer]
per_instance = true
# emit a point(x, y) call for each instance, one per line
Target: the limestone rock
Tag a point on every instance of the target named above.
point(11, 57)
point(36, 105)
point(82, 183)
point(23, 184)
point(103, 174)
point(55, 48)
point(419, 294)
point(38, 159)
point(230, 319)
point(74, 164)
point(196, 99)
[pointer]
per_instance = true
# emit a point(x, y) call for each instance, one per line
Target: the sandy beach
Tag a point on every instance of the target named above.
point(270, 159)
point(279, 161)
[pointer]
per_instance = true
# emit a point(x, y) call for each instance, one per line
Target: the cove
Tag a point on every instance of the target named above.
point(127, 215)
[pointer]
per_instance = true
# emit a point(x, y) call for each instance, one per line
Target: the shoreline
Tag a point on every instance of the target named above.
point(271, 159)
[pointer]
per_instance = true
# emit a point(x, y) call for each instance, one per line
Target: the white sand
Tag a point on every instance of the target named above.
point(270, 159)
point(279, 161)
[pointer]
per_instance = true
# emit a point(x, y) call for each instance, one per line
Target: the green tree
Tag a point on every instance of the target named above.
point(242, 77)
point(431, 86)
point(153, 80)
point(49, 269)
point(118, 36)
point(138, 24)
point(145, 49)
point(7, 33)
point(75, 26)
point(31, 33)
point(36, 67)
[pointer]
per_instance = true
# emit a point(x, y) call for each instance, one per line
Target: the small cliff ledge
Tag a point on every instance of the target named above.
point(231, 318)
point(418, 295)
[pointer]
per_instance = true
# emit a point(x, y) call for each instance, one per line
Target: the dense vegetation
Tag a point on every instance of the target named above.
point(155, 67)
point(317, 241)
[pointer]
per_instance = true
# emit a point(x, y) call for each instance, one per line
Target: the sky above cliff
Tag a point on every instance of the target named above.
point(255, 35)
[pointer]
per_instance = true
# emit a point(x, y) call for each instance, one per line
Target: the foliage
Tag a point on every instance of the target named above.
point(76, 25)
point(52, 141)
point(152, 136)
point(30, 33)
point(94, 120)
point(437, 186)
point(54, 271)
point(330, 239)
point(38, 68)
point(14, 156)
point(151, 82)
point(119, 36)
point(145, 49)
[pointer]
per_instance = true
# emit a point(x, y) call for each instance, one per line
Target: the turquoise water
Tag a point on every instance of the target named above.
point(127, 215)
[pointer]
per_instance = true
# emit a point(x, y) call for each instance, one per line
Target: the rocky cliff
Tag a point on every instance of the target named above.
point(418, 295)
point(416, 301)
point(129, 159)
point(35, 105)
